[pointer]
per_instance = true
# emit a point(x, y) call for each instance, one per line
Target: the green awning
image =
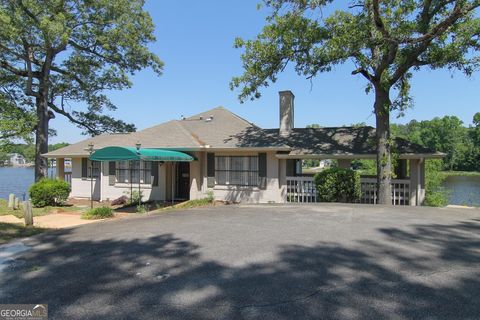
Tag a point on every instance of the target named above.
point(130, 153)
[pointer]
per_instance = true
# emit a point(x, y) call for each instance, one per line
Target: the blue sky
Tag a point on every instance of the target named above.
point(195, 40)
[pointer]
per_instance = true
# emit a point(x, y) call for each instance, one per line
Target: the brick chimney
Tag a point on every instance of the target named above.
point(286, 112)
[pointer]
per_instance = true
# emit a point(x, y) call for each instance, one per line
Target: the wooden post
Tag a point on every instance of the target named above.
point(11, 201)
point(16, 204)
point(27, 208)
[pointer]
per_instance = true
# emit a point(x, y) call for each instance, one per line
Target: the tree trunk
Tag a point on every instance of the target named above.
point(41, 138)
point(384, 160)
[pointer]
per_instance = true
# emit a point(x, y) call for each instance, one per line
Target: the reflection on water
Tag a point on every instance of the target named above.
point(463, 190)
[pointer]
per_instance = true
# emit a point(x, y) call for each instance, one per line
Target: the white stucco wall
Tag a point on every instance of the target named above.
point(81, 186)
point(149, 192)
point(272, 193)
point(103, 191)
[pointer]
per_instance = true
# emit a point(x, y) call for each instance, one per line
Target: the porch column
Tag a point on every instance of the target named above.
point(60, 162)
point(344, 163)
point(282, 179)
point(415, 183)
point(196, 178)
point(421, 194)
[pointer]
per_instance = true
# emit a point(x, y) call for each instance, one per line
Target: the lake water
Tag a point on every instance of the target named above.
point(17, 181)
point(463, 190)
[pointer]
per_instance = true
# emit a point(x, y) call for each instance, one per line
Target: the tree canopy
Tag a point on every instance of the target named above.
point(386, 41)
point(449, 135)
point(60, 57)
point(15, 122)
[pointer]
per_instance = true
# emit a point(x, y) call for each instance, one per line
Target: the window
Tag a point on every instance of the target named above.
point(240, 171)
point(131, 174)
point(95, 166)
point(147, 172)
point(122, 171)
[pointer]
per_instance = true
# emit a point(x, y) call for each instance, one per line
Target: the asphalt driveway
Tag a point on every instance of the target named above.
point(257, 262)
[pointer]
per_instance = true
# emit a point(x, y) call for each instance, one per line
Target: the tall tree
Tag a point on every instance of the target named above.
point(476, 129)
point(385, 39)
point(60, 56)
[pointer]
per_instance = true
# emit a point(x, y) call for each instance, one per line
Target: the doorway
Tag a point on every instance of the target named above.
point(183, 181)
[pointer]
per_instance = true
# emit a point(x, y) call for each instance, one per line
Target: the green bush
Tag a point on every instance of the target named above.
point(338, 185)
point(210, 196)
point(98, 213)
point(142, 208)
point(435, 194)
point(135, 197)
point(49, 192)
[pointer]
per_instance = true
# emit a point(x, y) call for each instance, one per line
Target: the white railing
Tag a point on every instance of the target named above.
point(302, 189)
point(68, 177)
point(400, 191)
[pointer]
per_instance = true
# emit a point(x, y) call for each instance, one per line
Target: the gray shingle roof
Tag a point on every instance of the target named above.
point(219, 128)
point(342, 141)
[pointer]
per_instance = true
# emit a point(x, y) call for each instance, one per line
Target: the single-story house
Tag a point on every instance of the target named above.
point(15, 159)
point(232, 158)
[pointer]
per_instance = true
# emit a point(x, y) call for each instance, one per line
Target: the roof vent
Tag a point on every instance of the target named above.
point(182, 117)
point(209, 119)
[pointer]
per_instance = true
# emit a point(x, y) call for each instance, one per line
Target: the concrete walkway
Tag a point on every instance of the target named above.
point(52, 221)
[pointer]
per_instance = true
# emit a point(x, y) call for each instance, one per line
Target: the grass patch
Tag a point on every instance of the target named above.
point(98, 213)
point(10, 231)
point(191, 204)
point(461, 173)
point(4, 210)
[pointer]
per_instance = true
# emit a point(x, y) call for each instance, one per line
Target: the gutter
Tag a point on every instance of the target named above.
point(406, 156)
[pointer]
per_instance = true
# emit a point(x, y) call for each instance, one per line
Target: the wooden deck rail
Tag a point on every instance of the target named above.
point(68, 177)
point(302, 190)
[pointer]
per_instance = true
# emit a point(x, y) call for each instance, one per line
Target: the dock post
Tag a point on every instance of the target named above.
point(11, 201)
point(27, 207)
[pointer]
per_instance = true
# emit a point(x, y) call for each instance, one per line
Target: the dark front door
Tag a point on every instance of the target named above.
point(183, 180)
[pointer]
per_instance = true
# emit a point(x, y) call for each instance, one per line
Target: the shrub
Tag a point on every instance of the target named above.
point(98, 213)
point(435, 194)
point(338, 185)
point(210, 196)
point(134, 197)
point(142, 208)
point(49, 192)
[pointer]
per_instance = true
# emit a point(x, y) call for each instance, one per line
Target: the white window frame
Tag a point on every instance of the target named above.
point(237, 171)
point(139, 168)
